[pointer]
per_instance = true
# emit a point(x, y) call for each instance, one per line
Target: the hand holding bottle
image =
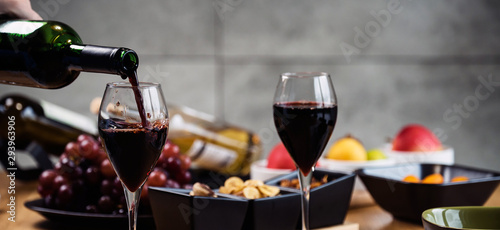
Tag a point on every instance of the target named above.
point(20, 9)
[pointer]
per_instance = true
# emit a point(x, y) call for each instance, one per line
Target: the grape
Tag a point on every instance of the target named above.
point(46, 179)
point(44, 192)
point(91, 208)
point(57, 166)
point(89, 149)
point(185, 162)
point(171, 150)
point(188, 186)
point(183, 177)
point(107, 169)
point(78, 185)
point(117, 183)
point(144, 195)
point(65, 194)
point(173, 165)
point(105, 204)
point(172, 184)
point(59, 180)
point(157, 178)
point(106, 187)
point(49, 201)
point(101, 156)
point(116, 194)
point(72, 150)
point(93, 175)
point(76, 173)
point(119, 211)
point(67, 166)
point(162, 161)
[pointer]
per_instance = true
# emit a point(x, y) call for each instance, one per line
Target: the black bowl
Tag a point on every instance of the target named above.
point(176, 209)
point(407, 201)
point(329, 202)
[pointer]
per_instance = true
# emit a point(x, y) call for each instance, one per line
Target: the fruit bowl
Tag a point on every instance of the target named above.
point(259, 171)
point(407, 201)
point(444, 156)
point(468, 217)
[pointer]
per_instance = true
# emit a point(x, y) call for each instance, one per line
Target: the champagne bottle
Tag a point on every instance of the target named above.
point(50, 54)
point(50, 126)
point(212, 144)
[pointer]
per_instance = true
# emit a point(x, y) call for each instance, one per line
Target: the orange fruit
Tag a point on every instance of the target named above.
point(411, 179)
point(459, 179)
point(435, 178)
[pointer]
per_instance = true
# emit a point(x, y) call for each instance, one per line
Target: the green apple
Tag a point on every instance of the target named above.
point(375, 154)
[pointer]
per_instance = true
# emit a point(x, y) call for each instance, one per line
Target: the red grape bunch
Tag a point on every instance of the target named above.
point(84, 180)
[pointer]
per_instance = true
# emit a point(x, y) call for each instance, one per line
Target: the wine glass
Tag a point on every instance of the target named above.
point(305, 113)
point(133, 145)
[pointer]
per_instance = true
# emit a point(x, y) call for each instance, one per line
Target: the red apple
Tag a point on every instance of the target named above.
point(416, 138)
point(279, 158)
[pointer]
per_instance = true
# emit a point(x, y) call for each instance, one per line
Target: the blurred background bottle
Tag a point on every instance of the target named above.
point(49, 125)
point(213, 144)
point(50, 54)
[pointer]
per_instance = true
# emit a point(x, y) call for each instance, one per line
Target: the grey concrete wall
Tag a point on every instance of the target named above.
point(413, 62)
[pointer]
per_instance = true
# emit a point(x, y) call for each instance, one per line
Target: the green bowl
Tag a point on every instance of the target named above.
point(466, 217)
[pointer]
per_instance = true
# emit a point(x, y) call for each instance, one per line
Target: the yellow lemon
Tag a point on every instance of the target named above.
point(347, 148)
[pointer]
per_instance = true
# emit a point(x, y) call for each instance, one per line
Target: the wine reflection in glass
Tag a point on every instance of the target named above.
point(133, 145)
point(305, 113)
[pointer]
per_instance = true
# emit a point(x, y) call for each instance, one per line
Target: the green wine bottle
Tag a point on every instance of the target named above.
point(50, 54)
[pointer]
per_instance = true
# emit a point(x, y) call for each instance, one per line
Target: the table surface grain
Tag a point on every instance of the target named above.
point(362, 211)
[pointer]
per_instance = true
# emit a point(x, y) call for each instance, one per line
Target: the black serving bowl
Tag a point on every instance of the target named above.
point(176, 209)
point(329, 202)
point(273, 213)
point(407, 201)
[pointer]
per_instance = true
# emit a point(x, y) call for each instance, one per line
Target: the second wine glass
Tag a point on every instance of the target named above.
point(133, 144)
point(305, 113)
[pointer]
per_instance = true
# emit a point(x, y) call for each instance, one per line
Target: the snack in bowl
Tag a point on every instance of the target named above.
point(200, 189)
point(294, 183)
point(250, 189)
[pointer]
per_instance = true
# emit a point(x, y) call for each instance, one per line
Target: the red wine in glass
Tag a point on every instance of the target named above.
point(132, 149)
point(305, 113)
point(133, 125)
point(305, 128)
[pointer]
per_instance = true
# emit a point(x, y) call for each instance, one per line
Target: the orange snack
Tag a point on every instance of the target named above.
point(411, 179)
point(459, 179)
point(435, 178)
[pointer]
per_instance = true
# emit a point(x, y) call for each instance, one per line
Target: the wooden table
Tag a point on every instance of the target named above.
point(363, 210)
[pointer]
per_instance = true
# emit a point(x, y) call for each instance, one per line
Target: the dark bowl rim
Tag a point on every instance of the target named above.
point(362, 174)
point(344, 176)
point(229, 197)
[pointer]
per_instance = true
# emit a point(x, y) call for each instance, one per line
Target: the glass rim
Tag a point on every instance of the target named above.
point(128, 85)
point(304, 74)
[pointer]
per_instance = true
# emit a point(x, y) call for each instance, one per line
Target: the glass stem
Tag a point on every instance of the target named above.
point(132, 199)
point(305, 187)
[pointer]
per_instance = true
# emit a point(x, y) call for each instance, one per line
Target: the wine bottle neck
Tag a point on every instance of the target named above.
point(101, 59)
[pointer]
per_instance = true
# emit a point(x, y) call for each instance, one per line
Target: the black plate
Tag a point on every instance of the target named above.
point(94, 220)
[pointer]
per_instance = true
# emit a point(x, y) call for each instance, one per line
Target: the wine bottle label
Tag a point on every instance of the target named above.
point(211, 156)
point(69, 118)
